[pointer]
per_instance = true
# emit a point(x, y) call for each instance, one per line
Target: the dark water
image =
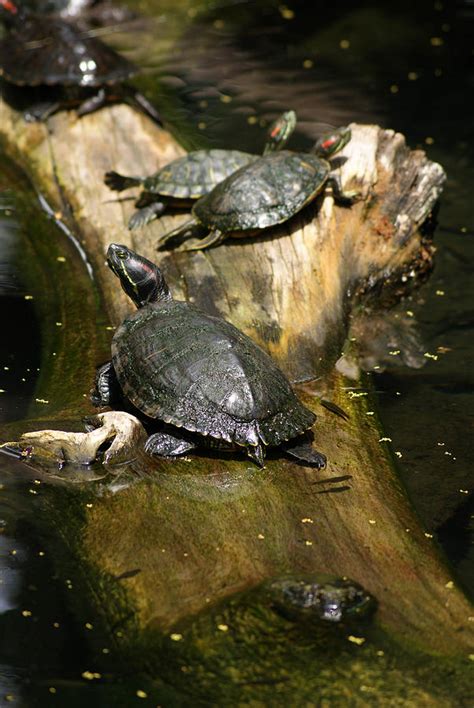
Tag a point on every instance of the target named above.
point(219, 71)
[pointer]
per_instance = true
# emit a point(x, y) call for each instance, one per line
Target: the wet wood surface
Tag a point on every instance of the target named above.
point(199, 529)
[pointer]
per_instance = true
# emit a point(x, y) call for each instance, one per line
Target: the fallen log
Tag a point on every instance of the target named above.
point(202, 528)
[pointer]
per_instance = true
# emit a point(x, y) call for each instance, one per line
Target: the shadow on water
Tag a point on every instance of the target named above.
point(227, 68)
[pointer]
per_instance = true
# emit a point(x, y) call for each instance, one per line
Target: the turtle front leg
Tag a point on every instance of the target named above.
point(143, 216)
point(347, 197)
point(107, 390)
point(41, 111)
point(212, 239)
point(165, 444)
point(304, 452)
point(187, 229)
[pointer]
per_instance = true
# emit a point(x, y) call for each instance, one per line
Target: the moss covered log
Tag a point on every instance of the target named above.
point(197, 530)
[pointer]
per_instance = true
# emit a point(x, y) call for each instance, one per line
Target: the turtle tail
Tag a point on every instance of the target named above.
point(118, 182)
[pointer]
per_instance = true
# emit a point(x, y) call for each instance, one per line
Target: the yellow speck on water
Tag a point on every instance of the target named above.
point(41, 400)
point(58, 215)
point(436, 41)
point(394, 88)
point(251, 120)
point(219, 24)
point(344, 44)
point(41, 553)
point(28, 297)
point(176, 637)
point(385, 439)
point(398, 453)
point(464, 491)
point(449, 585)
point(428, 535)
point(59, 324)
point(141, 694)
point(37, 481)
point(412, 75)
point(88, 625)
point(110, 328)
point(89, 505)
point(225, 98)
point(440, 293)
point(307, 520)
point(410, 313)
point(372, 521)
point(90, 675)
point(223, 627)
point(286, 12)
point(471, 657)
point(356, 640)
point(51, 689)
point(202, 125)
point(13, 552)
point(56, 625)
point(2, 390)
point(26, 613)
point(394, 352)
point(308, 543)
point(380, 652)
point(105, 650)
point(261, 536)
point(33, 491)
point(9, 697)
point(431, 356)
point(429, 140)
point(369, 413)
point(308, 64)
point(61, 259)
point(203, 104)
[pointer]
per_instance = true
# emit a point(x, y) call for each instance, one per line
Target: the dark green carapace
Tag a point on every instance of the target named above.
point(192, 176)
point(188, 369)
point(264, 193)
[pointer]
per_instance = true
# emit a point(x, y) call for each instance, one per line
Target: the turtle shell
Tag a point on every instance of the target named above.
point(180, 365)
point(195, 174)
point(54, 52)
point(264, 193)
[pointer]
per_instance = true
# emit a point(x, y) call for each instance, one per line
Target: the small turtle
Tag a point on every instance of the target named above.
point(176, 364)
point(265, 193)
point(190, 177)
point(48, 51)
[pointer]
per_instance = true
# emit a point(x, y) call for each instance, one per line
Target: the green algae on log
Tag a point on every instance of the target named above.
point(201, 529)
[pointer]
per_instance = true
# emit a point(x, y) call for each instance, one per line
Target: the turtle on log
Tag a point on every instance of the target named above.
point(198, 373)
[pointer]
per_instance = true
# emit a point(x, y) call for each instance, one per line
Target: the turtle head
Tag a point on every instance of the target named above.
point(280, 131)
point(330, 143)
point(9, 12)
point(141, 279)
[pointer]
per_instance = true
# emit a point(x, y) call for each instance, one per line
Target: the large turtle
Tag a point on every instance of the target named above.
point(197, 372)
point(190, 177)
point(52, 53)
point(265, 193)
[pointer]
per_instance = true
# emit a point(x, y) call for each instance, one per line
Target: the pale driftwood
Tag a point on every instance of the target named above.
point(217, 526)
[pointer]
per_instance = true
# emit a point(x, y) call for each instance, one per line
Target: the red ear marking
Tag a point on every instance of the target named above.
point(327, 143)
point(9, 6)
point(275, 131)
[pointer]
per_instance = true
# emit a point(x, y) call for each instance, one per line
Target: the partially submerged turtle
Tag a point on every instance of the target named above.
point(46, 51)
point(190, 177)
point(197, 372)
point(265, 193)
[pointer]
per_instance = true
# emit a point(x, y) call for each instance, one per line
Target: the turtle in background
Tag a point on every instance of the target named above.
point(48, 53)
point(188, 178)
point(267, 192)
point(203, 377)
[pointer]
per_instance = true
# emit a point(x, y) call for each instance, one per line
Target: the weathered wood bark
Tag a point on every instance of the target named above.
point(214, 526)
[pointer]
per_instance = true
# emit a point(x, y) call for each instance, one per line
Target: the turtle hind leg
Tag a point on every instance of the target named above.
point(341, 196)
point(165, 444)
point(118, 182)
point(41, 111)
point(305, 453)
point(143, 216)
